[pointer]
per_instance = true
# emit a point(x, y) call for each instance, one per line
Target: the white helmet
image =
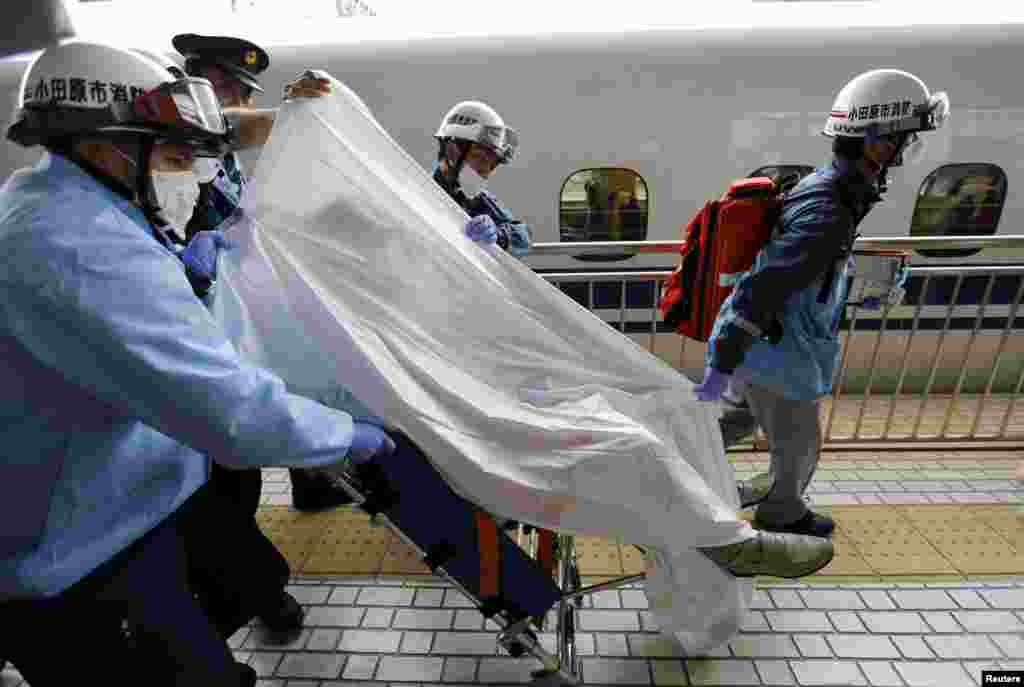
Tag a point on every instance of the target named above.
point(165, 61)
point(78, 88)
point(478, 122)
point(885, 101)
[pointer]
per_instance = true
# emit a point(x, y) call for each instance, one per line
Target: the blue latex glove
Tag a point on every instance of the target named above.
point(369, 442)
point(200, 255)
point(482, 229)
point(713, 386)
point(871, 303)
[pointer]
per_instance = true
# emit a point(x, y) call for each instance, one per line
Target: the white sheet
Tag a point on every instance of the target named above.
point(352, 271)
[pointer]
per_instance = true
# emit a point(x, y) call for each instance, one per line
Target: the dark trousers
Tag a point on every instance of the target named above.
point(147, 586)
point(794, 436)
point(182, 589)
point(237, 572)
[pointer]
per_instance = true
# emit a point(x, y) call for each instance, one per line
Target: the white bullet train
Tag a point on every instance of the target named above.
point(630, 123)
point(625, 132)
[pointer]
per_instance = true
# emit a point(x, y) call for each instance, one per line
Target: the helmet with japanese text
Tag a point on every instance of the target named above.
point(477, 122)
point(885, 102)
point(168, 63)
point(79, 88)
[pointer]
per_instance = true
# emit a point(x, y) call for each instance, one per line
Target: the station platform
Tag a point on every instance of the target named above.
point(926, 589)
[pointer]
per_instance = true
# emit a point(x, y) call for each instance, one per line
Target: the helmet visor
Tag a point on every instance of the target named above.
point(938, 109)
point(188, 104)
point(504, 141)
point(910, 151)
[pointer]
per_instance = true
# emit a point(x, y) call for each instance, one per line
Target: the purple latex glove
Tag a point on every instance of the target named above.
point(871, 303)
point(369, 442)
point(713, 386)
point(200, 255)
point(482, 229)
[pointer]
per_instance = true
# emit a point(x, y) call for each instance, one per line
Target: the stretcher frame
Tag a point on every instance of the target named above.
point(518, 638)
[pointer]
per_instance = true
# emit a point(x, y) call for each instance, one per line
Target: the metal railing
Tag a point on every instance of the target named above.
point(906, 374)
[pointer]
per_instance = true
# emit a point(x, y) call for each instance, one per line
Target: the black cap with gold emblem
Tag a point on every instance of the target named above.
point(244, 60)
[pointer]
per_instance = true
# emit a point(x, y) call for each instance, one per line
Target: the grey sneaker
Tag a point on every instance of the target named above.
point(755, 490)
point(773, 553)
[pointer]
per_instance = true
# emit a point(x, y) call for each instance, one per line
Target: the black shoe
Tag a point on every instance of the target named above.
point(285, 618)
point(754, 491)
point(313, 492)
point(247, 676)
point(811, 524)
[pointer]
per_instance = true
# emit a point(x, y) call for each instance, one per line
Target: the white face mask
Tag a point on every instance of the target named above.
point(177, 193)
point(472, 183)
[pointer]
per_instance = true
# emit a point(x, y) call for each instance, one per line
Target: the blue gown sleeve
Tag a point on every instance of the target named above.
point(112, 311)
point(518, 234)
point(815, 237)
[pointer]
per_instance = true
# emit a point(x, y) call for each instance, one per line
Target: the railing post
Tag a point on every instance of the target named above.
point(844, 373)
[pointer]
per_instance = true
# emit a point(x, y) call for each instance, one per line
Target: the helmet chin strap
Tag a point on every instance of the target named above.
point(144, 185)
point(882, 179)
point(454, 170)
point(145, 195)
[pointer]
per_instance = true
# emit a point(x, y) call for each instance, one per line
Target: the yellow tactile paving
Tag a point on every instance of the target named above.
point(888, 542)
point(848, 560)
point(632, 560)
point(402, 559)
point(295, 534)
point(598, 556)
point(347, 544)
point(884, 541)
point(967, 538)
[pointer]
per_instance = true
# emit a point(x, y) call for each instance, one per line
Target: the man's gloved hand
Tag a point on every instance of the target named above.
point(200, 255)
point(713, 386)
point(312, 83)
point(369, 442)
point(482, 229)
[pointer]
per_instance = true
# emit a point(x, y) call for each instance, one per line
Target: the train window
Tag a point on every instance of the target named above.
point(779, 172)
point(964, 199)
point(603, 204)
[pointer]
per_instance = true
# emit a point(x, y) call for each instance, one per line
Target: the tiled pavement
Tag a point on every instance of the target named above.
point(856, 477)
point(367, 631)
point(906, 477)
point(364, 632)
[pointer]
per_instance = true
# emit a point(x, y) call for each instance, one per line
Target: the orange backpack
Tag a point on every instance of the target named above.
point(720, 243)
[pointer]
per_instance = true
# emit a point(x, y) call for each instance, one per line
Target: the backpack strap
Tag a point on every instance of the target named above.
point(846, 198)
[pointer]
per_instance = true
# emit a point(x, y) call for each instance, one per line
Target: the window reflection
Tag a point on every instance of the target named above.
point(959, 200)
point(607, 204)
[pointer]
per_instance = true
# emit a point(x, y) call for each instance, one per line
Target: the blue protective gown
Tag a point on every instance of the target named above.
point(513, 235)
point(797, 287)
point(115, 384)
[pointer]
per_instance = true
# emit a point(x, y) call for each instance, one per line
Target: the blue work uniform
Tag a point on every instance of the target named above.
point(513, 235)
point(796, 289)
point(116, 383)
point(218, 198)
point(778, 331)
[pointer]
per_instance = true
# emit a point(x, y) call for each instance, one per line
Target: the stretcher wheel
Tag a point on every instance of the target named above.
point(569, 578)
